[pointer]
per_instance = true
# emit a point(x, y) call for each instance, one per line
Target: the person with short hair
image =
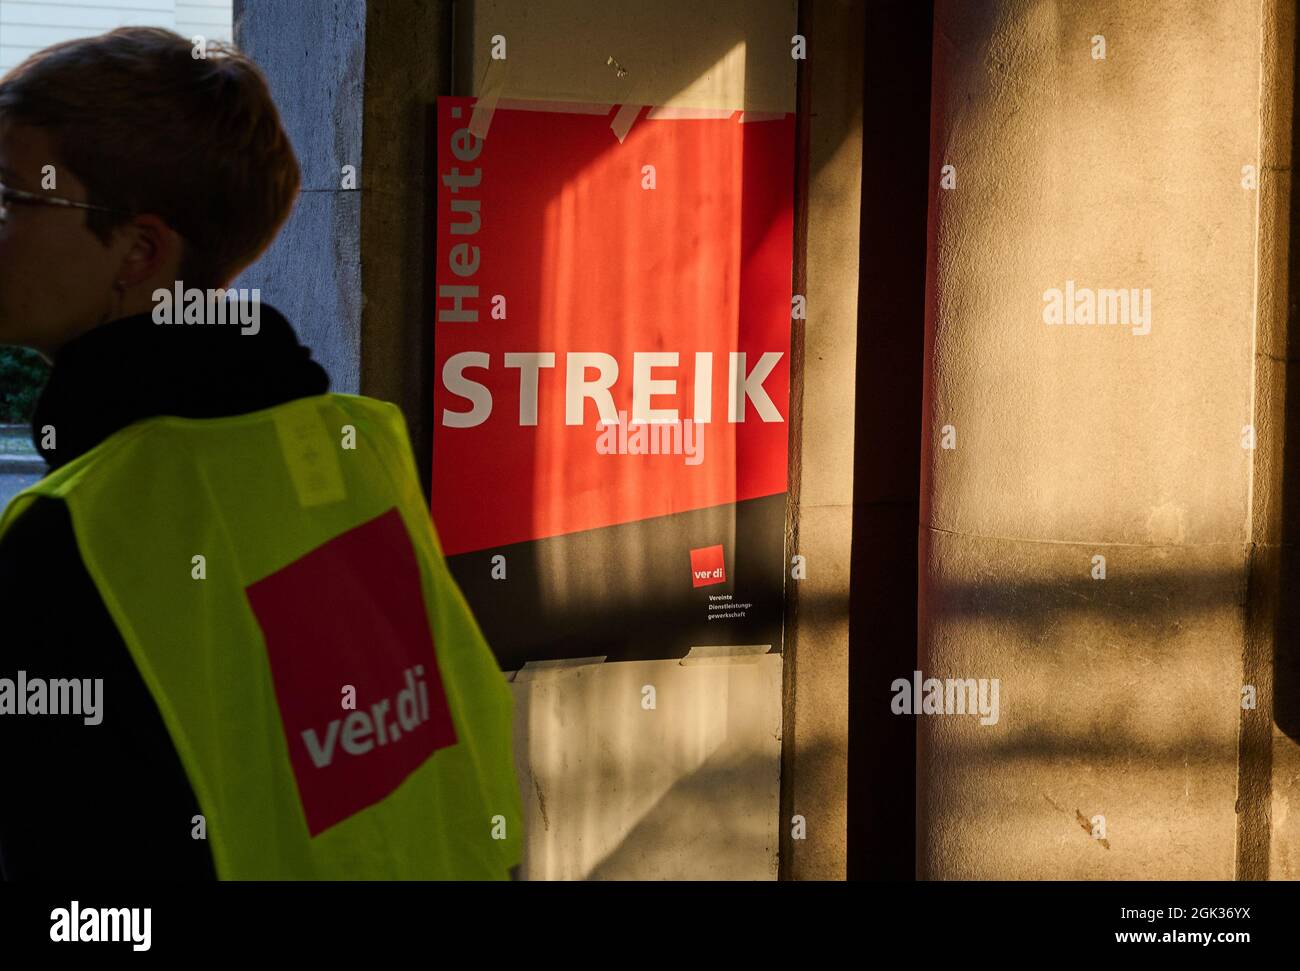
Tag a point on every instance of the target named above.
point(231, 646)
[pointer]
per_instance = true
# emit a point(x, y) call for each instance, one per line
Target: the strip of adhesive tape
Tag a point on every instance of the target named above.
point(536, 670)
point(624, 118)
point(726, 654)
point(485, 106)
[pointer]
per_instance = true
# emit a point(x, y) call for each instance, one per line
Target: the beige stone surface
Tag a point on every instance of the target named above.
point(1115, 173)
point(820, 678)
point(1120, 697)
point(817, 680)
point(721, 54)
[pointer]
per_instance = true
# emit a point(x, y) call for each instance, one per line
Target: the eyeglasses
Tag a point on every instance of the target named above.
point(10, 195)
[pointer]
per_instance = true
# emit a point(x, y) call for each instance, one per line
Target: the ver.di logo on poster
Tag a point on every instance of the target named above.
point(708, 566)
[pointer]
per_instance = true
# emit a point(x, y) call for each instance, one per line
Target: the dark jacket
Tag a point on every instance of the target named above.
point(112, 801)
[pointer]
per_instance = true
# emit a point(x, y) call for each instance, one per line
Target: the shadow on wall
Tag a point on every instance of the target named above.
point(1117, 702)
point(1097, 668)
point(710, 832)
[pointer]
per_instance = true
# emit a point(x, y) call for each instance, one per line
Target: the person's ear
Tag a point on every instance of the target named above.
point(155, 250)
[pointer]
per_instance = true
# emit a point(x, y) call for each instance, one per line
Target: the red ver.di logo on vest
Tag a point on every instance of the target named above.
point(352, 612)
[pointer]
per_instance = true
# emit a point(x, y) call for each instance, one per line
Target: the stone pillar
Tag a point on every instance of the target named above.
point(815, 751)
point(1097, 149)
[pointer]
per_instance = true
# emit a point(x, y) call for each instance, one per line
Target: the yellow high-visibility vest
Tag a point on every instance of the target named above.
point(278, 581)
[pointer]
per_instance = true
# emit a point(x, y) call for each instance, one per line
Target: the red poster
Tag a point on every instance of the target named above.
point(612, 324)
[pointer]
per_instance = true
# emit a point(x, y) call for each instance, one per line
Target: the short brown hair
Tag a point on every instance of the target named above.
point(151, 128)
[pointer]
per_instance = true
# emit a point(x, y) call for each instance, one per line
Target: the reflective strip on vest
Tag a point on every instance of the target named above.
point(321, 578)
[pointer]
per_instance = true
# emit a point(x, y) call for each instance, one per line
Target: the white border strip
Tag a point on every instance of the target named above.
point(564, 107)
point(689, 114)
